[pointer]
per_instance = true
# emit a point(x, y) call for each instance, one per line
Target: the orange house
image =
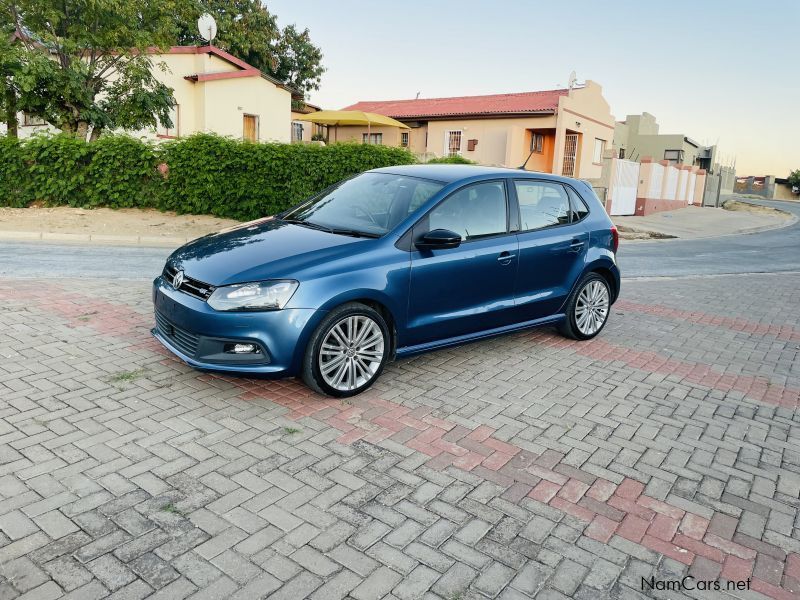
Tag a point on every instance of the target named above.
point(563, 131)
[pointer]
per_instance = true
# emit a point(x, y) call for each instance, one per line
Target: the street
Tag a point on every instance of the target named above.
point(765, 252)
point(525, 466)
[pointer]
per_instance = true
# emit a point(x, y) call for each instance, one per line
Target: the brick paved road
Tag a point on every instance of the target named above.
point(524, 466)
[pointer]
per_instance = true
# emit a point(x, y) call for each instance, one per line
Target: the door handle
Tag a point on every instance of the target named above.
point(505, 257)
point(576, 246)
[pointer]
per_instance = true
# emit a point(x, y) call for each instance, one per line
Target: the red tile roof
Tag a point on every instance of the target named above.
point(496, 104)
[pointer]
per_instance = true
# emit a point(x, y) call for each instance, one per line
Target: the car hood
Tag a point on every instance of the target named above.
point(258, 250)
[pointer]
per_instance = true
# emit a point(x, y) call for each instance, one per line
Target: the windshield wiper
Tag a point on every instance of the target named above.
point(355, 233)
point(308, 224)
point(350, 232)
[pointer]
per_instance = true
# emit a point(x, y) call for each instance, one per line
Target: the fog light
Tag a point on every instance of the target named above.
point(241, 349)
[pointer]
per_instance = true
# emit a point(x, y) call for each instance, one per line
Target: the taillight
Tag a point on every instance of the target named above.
point(614, 238)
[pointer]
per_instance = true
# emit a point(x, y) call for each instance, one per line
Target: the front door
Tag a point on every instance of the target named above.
point(250, 128)
point(570, 153)
point(467, 289)
point(552, 247)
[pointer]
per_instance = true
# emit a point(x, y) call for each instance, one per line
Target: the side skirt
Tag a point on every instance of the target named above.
point(407, 351)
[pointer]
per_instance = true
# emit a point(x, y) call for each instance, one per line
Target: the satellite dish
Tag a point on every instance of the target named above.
point(573, 79)
point(207, 27)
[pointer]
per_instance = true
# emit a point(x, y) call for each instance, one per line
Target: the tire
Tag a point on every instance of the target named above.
point(593, 290)
point(346, 329)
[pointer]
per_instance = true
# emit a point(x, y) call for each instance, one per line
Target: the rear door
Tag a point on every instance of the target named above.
point(467, 289)
point(552, 247)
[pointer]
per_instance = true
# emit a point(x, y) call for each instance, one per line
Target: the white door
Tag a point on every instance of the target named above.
point(570, 152)
point(624, 182)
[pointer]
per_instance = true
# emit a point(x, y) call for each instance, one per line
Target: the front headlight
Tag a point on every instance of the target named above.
point(259, 295)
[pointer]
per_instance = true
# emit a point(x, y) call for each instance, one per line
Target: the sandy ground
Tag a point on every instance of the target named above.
point(124, 222)
point(694, 222)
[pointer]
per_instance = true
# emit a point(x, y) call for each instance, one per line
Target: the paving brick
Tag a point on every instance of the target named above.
point(23, 574)
point(532, 578)
point(314, 561)
point(111, 572)
point(153, 570)
point(494, 578)
point(337, 587)
point(377, 585)
point(455, 581)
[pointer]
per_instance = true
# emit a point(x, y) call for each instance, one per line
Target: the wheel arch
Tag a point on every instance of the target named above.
point(376, 301)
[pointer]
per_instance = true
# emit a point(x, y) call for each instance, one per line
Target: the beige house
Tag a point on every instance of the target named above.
point(214, 92)
point(303, 131)
point(638, 137)
point(563, 131)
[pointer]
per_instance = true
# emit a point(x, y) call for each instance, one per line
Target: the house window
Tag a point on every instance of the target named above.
point(31, 120)
point(673, 156)
point(372, 138)
point(599, 148)
point(250, 128)
point(404, 139)
point(170, 132)
point(297, 132)
point(453, 143)
point(537, 142)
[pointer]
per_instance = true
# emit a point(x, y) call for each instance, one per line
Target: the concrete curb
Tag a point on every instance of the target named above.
point(94, 239)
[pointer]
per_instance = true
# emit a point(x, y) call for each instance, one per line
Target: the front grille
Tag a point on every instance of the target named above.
point(190, 286)
point(182, 339)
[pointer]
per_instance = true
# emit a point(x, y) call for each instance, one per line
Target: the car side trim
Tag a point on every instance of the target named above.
point(472, 337)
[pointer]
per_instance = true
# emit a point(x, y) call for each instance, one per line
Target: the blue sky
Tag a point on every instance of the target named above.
point(718, 71)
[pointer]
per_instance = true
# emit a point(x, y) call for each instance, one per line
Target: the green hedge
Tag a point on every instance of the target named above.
point(451, 160)
point(204, 174)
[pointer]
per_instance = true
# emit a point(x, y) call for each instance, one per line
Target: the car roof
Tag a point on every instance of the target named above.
point(451, 173)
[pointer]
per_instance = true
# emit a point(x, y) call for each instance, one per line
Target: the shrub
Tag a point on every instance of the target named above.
point(241, 180)
point(13, 189)
point(56, 169)
point(205, 174)
point(452, 160)
point(121, 173)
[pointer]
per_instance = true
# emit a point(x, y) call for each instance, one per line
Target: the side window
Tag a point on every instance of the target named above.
point(579, 208)
point(476, 211)
point(541, 204)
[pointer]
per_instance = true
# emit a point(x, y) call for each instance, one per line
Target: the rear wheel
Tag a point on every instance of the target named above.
point(347, 352)
point(587, 308)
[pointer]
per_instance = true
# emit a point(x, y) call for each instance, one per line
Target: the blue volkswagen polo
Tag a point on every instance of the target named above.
point(388, 264)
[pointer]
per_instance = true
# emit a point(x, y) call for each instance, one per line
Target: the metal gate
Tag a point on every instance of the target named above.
point(624, 182)
point(570, 152)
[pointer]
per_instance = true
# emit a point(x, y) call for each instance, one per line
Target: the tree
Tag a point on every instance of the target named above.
point(794, 178)
point(84, 64)
point(246, 29)
point(10, 65)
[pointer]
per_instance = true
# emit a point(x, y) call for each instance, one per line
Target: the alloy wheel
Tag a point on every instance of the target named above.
point(591, 309)
point(351, 353)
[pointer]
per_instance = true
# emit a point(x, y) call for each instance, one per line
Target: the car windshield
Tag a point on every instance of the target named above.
point(369, 204)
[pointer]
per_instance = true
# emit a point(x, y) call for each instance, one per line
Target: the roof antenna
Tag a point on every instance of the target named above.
point(522, 166)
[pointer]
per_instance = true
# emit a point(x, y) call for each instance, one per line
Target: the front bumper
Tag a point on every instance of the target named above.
point(198, 334)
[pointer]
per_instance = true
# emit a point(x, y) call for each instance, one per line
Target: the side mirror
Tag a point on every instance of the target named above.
point(439, 239)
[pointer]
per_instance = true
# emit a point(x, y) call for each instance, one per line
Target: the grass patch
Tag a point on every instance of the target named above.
point(291, 430)
point(171, 508)
point(126, 376)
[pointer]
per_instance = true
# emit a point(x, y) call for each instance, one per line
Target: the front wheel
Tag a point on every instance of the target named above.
point(587, 308)
point(347, 352)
